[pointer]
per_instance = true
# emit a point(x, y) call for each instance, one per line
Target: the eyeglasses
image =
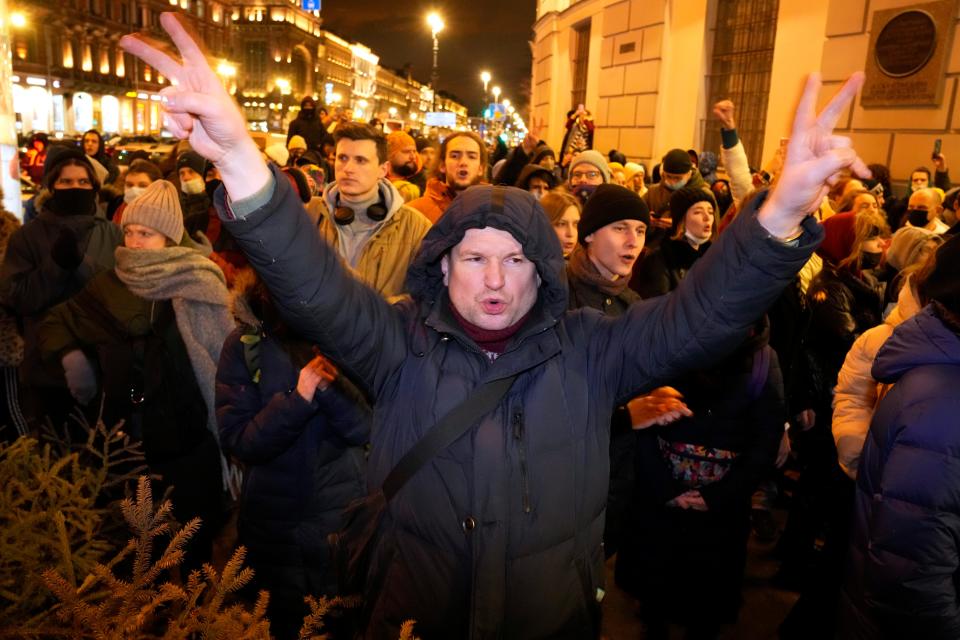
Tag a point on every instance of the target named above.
point(584, 175)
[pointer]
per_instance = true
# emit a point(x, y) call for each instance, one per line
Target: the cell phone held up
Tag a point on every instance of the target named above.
point(936, 148)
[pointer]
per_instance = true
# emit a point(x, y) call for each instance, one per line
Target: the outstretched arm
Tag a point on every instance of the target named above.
point(317, 297)
point(743, 273)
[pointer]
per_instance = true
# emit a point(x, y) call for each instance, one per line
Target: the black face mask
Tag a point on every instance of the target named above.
point(73, 202)
point(307, 113)
point(211, 187)
point(869, 260)
point(917, 217)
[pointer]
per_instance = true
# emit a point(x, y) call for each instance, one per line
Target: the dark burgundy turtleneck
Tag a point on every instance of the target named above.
point(490, 340)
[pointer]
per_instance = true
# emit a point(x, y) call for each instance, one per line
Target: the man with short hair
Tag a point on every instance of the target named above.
point(462, 163)
point(924, 209)
point(537, 180)
point(364, 217)
point(499, 534)
point(405, 162)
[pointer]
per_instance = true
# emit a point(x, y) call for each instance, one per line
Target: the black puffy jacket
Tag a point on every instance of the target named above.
point(499, 536)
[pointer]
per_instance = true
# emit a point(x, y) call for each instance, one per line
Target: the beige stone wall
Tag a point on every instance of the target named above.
point(901, 138)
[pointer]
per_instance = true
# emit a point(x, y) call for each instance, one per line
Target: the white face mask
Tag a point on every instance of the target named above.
point(694, 240)
point(193, 186)
point(132, 193)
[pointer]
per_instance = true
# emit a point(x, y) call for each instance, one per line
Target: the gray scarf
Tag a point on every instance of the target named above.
point(196, 288)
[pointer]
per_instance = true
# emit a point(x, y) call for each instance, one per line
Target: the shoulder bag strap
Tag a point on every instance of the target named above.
point(453, 425)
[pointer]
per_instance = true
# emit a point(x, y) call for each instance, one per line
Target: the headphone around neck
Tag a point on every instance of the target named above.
point(344, 215)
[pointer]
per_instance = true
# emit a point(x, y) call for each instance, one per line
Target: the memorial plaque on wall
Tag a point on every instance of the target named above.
point(907, 56)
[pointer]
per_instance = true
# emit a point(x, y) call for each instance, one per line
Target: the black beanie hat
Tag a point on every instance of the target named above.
point(57, 154)
point(608, 204)
point(942, 284)
point(193, 160)
point(683, 199)
point(677, 161)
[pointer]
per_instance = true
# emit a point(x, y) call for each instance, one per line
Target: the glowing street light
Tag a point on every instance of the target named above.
point(436, 26)
point(496, 94)
point(18, 20)
point(506, 103)
point(485, 79)
point(226, 70)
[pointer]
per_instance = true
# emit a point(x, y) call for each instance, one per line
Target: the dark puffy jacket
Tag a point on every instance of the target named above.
point(904, 567)
point(661, 270)
point(31, 282)
point(303, 461)
point(499, 536)
point(310, 129)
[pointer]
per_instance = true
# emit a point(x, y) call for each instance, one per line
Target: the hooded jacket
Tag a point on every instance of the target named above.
point(856, 393)
point(434, 200)
point(303, 460)
point(499, 536)
point(31, 282)
point(384, 259)
point(904, 565)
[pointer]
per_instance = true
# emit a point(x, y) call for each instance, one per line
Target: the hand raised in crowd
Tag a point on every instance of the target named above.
point(814, 158)
point(659, 407)
point(689, 500)
point(940, 162)
point(199, 108)
point(724, 112)
point(532, 138)
point(319, 373)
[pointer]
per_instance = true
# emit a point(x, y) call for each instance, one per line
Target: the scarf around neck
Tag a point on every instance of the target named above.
point(195, 286)
point(582, 268)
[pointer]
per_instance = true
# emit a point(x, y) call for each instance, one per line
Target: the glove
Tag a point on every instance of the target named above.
point(81, 379)
point(65, 250)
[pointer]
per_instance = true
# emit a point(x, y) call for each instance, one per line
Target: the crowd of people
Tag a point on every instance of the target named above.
point(279, 327)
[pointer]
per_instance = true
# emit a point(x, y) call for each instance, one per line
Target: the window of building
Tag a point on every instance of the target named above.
point(67, 53)
point(254, 63)
point(740, 68)
point(86, 62)
point(104, 60)
point(581, 58)
point(120, 68)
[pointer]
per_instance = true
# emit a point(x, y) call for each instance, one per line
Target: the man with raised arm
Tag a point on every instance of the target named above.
point(499, 535)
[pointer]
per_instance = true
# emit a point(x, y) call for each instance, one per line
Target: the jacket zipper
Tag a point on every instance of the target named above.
point(518, 436)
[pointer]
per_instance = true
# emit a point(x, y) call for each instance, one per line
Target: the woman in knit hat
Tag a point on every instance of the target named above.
point(154, 326)
point(909, 246)
point(693, 219)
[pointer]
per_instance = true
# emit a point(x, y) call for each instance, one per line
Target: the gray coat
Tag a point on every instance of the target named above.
point(500, 535)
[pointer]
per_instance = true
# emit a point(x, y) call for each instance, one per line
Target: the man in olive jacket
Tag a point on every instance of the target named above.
point(499, 535)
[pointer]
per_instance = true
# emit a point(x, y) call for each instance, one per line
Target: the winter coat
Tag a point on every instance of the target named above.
point(11, 343)
point(435, 200)
point(31, 282)
point(842, 307)
point(387, 254)
point(147, 379)
point(856, 393)
point(303, 460)
point(661, 270)
point(509, 173)
point(499, 536)
point(311, 129)
point(904, 567)
point(738, 406)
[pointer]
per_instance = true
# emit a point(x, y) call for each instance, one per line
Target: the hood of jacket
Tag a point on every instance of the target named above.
point(508, 209)
point(907, 306)
point(392, 199)
point(920, 340)
point(531, 170)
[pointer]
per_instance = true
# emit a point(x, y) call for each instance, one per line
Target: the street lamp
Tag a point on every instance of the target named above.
point(436, 26)
point(506, 103)
point(496, 94)
point(18, 20)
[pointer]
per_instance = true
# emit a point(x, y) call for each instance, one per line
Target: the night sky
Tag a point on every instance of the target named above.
point(479, 34)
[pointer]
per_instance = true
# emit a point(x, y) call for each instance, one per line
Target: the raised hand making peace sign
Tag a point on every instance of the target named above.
point(198, 107)
point(814, 157)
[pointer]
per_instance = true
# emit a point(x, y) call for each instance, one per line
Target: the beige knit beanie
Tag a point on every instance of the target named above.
point(158, 207)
